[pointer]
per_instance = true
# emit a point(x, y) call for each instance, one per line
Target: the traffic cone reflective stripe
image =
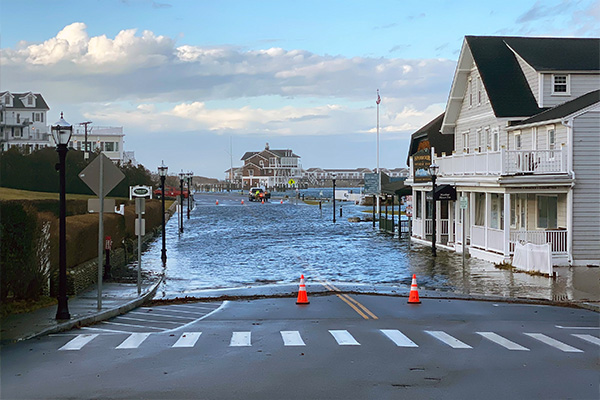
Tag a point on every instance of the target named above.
point(302, 297)
point(413, 298)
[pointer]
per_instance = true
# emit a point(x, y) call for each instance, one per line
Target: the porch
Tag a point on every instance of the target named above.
point(505, 162)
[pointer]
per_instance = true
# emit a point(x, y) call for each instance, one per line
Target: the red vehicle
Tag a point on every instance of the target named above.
point(171, 192)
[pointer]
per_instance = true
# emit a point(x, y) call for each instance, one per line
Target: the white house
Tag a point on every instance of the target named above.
point(23, 121)
point(109, 139)
point(525, 115)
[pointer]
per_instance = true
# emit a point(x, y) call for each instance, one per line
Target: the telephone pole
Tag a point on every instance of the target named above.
point(86, 154)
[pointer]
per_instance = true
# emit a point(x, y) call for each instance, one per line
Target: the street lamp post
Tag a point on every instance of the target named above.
point(433, 171)
point(61, 133)
point(333, 176)
point(181, 178)
point(162, 171)
point(189, 185)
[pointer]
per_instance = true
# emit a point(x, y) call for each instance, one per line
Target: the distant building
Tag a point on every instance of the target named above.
point(234, 176)
point(108, 139)
point(23, 121)
point(270, 168)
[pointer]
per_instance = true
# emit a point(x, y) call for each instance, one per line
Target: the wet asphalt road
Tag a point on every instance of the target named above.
point(275, 349)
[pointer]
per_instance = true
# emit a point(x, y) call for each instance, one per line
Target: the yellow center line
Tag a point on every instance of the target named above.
point(349, 300)
point(341, 296)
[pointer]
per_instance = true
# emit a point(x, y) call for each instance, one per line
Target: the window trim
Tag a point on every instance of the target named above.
point(567, 91)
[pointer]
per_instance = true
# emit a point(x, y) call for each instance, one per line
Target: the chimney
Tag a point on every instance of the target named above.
point(267, 146)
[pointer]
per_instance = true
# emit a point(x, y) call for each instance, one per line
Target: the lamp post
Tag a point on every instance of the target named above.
point(333, 176)
point(433, 171)
point(162, 171)
point(61, 133)
point(189, 185)
point(181, 178)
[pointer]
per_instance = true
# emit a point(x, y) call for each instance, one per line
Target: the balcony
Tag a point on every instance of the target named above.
point(505, 162)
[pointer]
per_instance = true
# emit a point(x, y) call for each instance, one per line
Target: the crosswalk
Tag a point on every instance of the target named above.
point(343, 337)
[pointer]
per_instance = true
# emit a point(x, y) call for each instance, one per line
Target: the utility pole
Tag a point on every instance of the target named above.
point(86, 154)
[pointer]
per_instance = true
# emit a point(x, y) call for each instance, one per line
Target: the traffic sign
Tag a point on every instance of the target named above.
point(292, 182)
point(111, 175)
point(140, 191)
point(464, 202)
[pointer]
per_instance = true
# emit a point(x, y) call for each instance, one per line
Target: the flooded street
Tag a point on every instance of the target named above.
point(235, 245)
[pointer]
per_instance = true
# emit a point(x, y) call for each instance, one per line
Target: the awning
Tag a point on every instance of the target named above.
point(443, 193)
point(398, 188)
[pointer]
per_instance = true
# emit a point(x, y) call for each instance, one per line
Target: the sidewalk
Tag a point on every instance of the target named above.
point(117, 298)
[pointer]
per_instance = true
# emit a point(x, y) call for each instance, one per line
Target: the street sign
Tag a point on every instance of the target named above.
point(140, 205)
point(371, 184)
point(137, 227)
point(464, 202)
point(140, 191)
point(292, 182)
point(94, 205)
point(111, 174)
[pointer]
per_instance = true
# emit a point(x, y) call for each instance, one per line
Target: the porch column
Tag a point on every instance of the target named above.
point(424, 213)
point(471, 214)
point(488, 211)
point(570, 226)
point(506, 226)
point(451, 210)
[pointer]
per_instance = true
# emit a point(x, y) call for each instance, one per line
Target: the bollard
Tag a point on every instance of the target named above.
point(340, 211)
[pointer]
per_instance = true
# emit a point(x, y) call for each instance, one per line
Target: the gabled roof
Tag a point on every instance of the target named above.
point(431, 132)
point(563, 110)
point(502, 76)
point(249, 154)
point(40, 103)
point(558, 54)
point(282, 153)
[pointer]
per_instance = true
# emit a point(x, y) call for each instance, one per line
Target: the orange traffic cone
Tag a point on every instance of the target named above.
point(217, 202)
point(263, 201)
point(413, 298)
point(302, 297)
point(242, 202)
point(281, 202)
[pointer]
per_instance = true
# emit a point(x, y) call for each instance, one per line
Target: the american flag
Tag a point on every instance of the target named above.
point(378, 98)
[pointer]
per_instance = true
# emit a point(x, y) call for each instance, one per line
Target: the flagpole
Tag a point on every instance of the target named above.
point(378, 171)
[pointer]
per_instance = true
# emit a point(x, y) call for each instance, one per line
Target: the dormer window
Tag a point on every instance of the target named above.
point(560, 84)
point(29, 100)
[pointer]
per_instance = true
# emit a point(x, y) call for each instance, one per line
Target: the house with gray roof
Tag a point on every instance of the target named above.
point(524, 114)
point(23, 121)
point(270, 168)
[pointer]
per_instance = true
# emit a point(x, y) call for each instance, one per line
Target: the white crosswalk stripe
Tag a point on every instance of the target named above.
point(188, 339)
point(240, 339)
point(344, 338)
point(133, 341)
point(79, 341)
point(292, 338)
point(398, 338)
point(449, 340)
point(554, 343)
point(510, 345)
point(588, 338)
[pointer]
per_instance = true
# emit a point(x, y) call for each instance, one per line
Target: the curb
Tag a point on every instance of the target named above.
point(100, 316)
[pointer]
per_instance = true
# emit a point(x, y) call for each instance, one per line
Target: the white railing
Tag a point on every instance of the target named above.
point(495, 240)
point(478, 236)
point(504, 162)
point(417, 228)
point(556, 238)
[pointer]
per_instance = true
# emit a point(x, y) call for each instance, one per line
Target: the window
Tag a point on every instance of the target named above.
point(465, 137)
point(29, 100)
point(41, 117)
point(261, 163)
point(480, 140)
point(37, 117)
point(480, 209)
point(495, 140)
point(560, 84)
point(479, 91)
point(470, 90)
point(547, 207)
point(250, 172)
point(497, 211)
point(518, 140)
point(551, 138)
point(109, 146)
point(513, 210)
point(419, 205)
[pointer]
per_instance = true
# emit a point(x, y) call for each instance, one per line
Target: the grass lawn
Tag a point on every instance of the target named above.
point(17, 194)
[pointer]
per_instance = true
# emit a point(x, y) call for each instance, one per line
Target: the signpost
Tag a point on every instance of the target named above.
point(140, 193)
point(101, 175)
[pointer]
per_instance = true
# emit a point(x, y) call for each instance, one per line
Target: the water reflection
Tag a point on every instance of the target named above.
point(234, 244)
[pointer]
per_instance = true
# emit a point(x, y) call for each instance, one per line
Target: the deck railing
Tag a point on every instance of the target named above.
point(558, 239)
point(505, 162)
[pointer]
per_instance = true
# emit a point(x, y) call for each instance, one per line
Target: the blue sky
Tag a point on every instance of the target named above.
point(184, 78)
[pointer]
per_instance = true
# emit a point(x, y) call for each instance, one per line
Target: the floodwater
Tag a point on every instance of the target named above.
point(236, 245)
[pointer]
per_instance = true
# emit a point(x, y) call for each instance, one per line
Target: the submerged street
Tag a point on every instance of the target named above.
point(233, 245)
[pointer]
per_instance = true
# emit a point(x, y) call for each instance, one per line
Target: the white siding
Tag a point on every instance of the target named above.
point(580, 84)
point(586, 193)
point(532, 78)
